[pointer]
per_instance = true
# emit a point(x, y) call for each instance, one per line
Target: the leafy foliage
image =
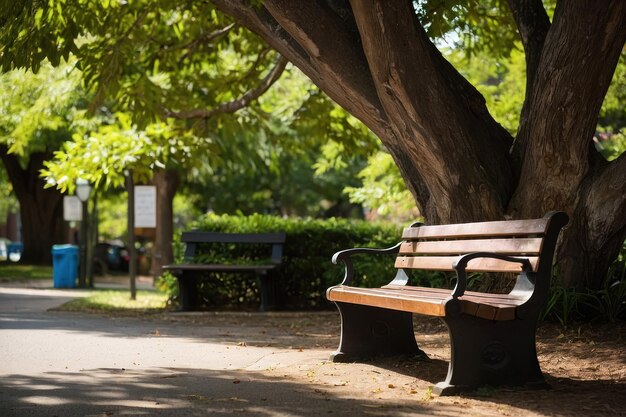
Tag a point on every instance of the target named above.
point(105, 155)
point(39, 110)
point(610, 137)
point(150, 57)
point(383, 190)
point(472, 26)
point(276, 157)
point(501, 81)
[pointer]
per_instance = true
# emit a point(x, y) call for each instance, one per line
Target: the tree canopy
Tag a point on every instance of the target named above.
point(381, 61)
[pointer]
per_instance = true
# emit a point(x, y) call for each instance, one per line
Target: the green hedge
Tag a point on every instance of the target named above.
point(306, 271)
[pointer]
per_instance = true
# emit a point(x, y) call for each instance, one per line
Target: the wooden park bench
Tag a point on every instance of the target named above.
point(193, 270)
point(492, 336)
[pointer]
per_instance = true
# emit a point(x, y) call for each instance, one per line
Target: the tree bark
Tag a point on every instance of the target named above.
point(41, 209)
point(374, 59)
point(167, 182)
point(560, 168)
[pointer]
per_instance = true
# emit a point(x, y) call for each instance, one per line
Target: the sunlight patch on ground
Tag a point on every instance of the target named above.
point(46, 400)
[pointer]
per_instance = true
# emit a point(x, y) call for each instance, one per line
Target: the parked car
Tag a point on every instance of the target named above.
point(14, 251)
point(110, 256)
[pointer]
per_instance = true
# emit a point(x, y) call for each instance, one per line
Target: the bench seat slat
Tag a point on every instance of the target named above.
point(427, 301)
point(507, 299)
point(431, 306)
point(530, 246)
point(464, 230)
point(444, 263)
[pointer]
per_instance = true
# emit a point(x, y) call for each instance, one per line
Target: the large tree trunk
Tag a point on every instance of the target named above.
point(560, 167)
point(41, 209)
point(374, 58)
point(167, 182)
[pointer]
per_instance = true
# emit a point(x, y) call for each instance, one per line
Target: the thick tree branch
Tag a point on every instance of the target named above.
point(533, 25)
point(579, 57)
point(419, 89)
point(239, 103)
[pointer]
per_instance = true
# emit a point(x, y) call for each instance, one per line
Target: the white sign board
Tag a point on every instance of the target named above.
point(72, 208)
point(145, 206)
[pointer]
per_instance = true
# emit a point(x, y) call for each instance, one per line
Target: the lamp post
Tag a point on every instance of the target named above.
point(83, 189)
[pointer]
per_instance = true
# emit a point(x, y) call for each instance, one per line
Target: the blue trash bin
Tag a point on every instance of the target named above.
point(64, 266)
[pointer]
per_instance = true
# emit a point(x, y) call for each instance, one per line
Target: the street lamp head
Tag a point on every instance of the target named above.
point(83, 189)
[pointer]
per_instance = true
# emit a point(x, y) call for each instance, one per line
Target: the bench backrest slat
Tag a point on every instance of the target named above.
point(505, 246)
point(486, 229)
point(444, 263)
point(437, 247)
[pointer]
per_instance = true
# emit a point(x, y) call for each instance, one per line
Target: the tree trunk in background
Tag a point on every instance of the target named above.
point(167, 182)
point(375, 60)
point(41, 209)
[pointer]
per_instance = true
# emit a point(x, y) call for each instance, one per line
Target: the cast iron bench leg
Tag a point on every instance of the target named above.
point(188, 292)
point(266, 285)
point(367, 332)
point(485, 352)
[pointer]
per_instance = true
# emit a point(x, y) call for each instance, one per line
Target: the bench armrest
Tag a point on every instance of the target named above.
point(345, 257)
point(461, 264)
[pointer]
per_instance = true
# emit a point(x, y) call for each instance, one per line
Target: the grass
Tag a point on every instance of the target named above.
point(19, 272)
point(116, 301)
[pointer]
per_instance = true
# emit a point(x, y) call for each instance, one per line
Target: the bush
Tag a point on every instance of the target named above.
point(306, 271)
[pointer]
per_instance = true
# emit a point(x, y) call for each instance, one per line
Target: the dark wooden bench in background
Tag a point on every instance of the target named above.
point(492, 336)
point(192, 270)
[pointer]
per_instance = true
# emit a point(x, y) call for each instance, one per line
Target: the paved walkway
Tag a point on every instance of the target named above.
point(210, 364)
point(65, 364)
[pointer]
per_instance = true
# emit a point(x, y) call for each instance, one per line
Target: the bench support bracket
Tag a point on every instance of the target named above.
point(492, 353)
point(367, 332)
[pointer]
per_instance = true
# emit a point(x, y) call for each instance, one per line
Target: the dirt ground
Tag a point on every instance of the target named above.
point(585, 366)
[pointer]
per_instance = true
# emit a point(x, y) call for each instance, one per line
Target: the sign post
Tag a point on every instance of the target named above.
point(132, 266)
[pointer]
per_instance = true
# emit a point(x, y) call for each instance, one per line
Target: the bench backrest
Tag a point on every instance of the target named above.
point(194, 238)
point(437, 247)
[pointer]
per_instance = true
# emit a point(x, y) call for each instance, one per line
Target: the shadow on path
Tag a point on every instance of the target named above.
point(189, 392)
